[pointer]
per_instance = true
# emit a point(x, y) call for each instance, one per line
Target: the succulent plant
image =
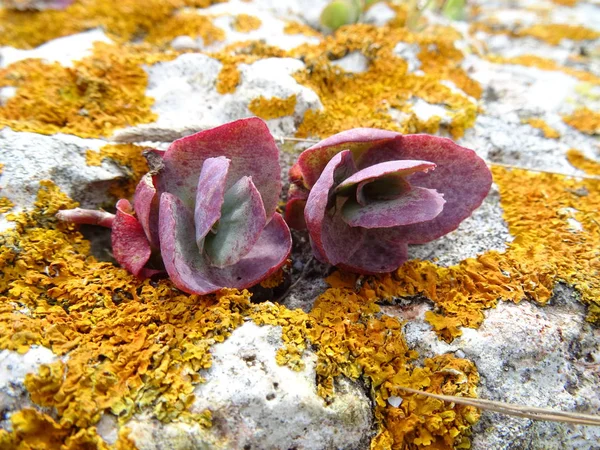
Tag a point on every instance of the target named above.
point(205, 213)
point(365, 194)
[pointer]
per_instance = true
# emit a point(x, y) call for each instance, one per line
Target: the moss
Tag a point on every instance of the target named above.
point(125, 20)
point(245, 23)
point(545, 251)
point(99, 94)
point(584, 120)
point(540, 124)
point(272, 108)
point(128, 156)
point(578, 160)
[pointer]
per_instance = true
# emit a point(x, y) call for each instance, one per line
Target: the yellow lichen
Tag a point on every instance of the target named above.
point(570, 3)
point(292, 27)
point(366, 99)
point(125, 20)
point(545, 251)
point(5, 204)
point(245, 23)
point(554, 33)
point(98, 94)
point(540, 124)
point(578, 159)
point(584, 120)
point(272, 108)
point(128, 156)
point(545, 64)
point(187, 23)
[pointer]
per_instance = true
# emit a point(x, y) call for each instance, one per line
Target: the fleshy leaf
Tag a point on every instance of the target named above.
point(387, 187)
point(460, 175)
point(415, 206)
point(209, 196)
point(145, 203)
point(398, 168)
point(190, 271)
point(86, 216)
point(242, 220)
point(378, 253)
point(246, 142)
point(130, 246)
point(313, 160)
point(294, 208)
point(334, 239)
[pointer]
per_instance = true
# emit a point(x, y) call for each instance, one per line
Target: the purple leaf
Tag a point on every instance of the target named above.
point(460, 175)
point(130, 246)
point(414, 206)
point(209, 196)
point(145, 203)
point(378, 253)
point(313, 160)
point(294, 208)
point(246, 142)
point(333, 238)
point(189, 269)
point(86, 216)
point(242, 220)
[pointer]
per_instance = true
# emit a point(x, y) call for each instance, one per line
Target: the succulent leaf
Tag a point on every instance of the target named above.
point(242, 220)
point(209, 196)
point(333, 237)
point(145, 203)
point(130, 246)
point(247, 143)
point(415, 206)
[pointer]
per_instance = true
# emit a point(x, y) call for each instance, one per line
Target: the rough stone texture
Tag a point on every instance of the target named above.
point(256, 403)
point(29, 158)
point(544, 357)
point(13, 368)
point(186, 99)
point(62, 50)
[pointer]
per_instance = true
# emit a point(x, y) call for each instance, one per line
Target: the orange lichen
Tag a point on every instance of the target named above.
point(245, 23)
point(128, 156)
point(237, 53)
point(365, 99)
point(570, 3)
point(352, 338)
point(545, 250)
point(98, 94)
point(540, 124)
point(125, 20)
point(272, 108)
point(186, 23)
point(5, 204)
point(585, 120)
point(578, 159)
point(554, 33)
point(292, 27)
point(35, 430)
point(545, 64)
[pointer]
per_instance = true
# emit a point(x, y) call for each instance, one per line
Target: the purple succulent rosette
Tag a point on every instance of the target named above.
point(207, 209)
point(365, 194)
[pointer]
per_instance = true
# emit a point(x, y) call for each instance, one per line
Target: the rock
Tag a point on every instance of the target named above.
point(187, 101)
point(13, 368)
point(62, 50)
point(29, 158)
point(540, 357)
point(256, 403)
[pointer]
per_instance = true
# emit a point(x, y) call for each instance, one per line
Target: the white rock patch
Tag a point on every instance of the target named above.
point(186, 99)
point(256, 403)
point(63, 50)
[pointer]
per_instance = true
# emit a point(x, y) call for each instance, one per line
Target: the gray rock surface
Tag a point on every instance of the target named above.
point(256, 403)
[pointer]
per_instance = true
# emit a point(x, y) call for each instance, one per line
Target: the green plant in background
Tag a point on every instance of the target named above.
point(344, 12)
